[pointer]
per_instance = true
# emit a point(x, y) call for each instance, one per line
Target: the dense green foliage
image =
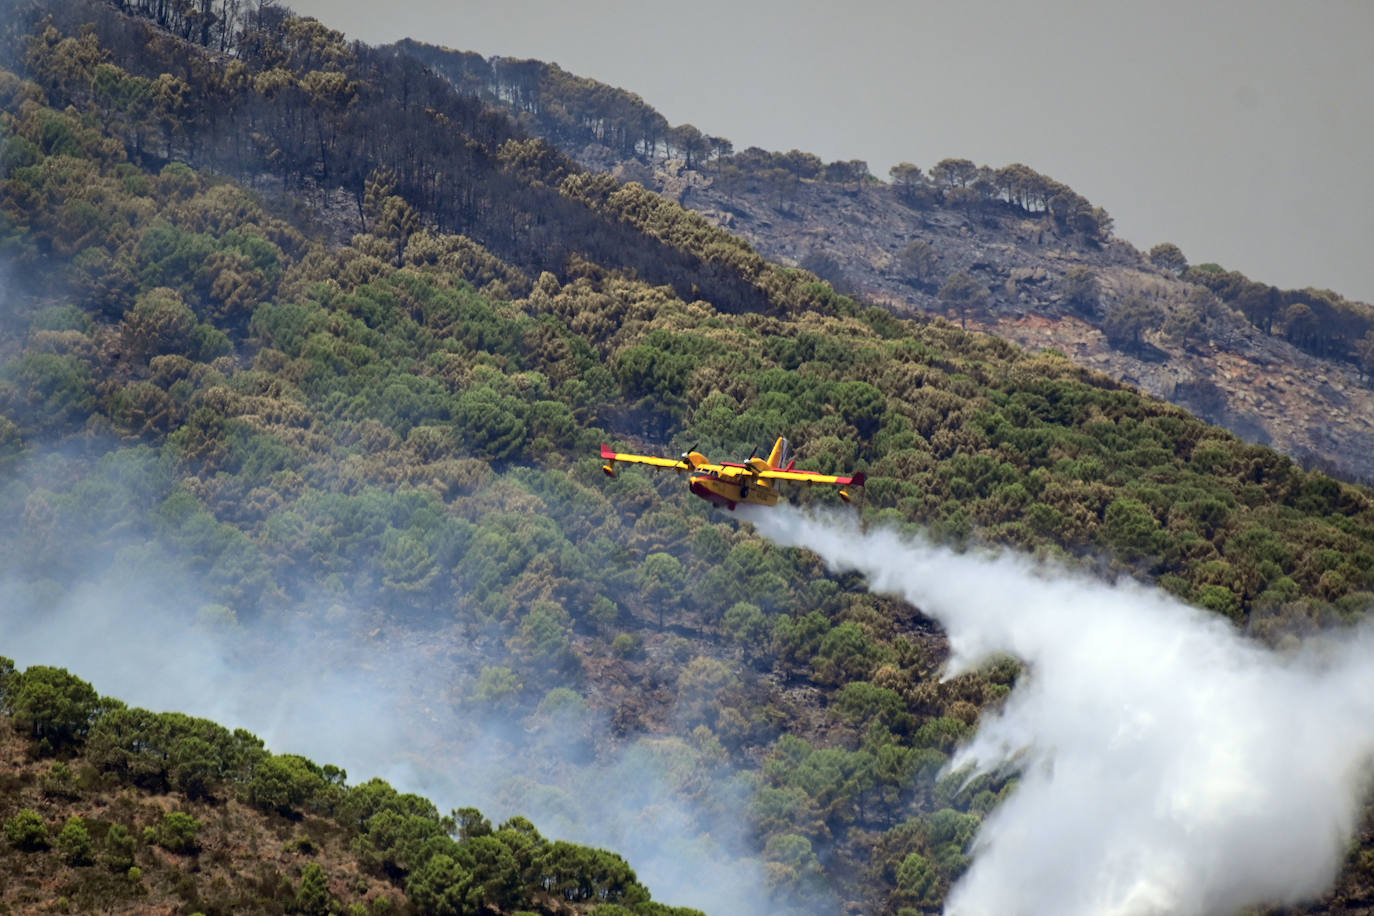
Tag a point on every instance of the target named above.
point(200, 391)
point(453, 865)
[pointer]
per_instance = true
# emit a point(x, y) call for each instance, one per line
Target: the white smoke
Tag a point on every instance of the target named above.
point(1169, 765)
point(317, 684)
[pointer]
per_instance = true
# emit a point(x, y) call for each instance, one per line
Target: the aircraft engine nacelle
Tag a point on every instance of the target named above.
point(857, 480)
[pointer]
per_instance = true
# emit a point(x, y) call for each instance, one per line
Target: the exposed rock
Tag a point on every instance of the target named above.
point(1321, 413)
point(1029, 274)
point(633, 170)
point(1265, 389)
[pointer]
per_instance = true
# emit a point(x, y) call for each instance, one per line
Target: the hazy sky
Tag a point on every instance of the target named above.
point(1239, 129)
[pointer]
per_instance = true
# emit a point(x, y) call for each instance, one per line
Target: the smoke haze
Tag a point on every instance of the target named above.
point(325, 684)
point(1168, 765)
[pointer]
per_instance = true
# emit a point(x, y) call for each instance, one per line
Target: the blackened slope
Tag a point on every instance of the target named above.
point(299, 109)
point(1283, 367)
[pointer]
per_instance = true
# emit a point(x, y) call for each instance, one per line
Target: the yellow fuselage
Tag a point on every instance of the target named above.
point(726, 492)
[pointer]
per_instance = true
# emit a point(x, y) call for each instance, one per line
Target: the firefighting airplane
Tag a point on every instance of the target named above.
point(728, 484)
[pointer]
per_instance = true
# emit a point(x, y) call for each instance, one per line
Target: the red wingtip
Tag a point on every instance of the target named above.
point(858, 479)
point(607, 452)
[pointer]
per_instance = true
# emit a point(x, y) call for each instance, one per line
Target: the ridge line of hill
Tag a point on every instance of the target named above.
point(1000, 248)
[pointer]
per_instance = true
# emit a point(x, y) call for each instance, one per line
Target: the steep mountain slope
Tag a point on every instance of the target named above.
point(390, 443)
point(1311, 403)
point(1258, 385)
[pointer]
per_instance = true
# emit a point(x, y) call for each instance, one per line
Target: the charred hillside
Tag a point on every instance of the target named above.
point(288, 107)
point(1282, 367)
point(1238, 353)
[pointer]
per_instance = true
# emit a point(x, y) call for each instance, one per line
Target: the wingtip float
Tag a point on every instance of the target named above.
point(729, 484)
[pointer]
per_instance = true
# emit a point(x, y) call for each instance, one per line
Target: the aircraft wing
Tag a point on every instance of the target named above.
point(812, 477)
point(676, 465)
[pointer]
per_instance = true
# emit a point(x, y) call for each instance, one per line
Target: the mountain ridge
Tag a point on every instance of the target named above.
point(854, 232)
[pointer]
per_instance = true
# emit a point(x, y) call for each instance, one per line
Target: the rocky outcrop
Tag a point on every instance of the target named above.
point(1257, 385)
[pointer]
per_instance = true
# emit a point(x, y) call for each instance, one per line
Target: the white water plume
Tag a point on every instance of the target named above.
point(1169, 765)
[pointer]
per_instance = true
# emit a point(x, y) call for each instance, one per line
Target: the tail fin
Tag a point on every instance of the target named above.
point(781, 453)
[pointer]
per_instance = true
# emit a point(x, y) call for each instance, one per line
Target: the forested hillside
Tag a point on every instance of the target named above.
point(1010, 250)
point(120, 809)
point(394, 437)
